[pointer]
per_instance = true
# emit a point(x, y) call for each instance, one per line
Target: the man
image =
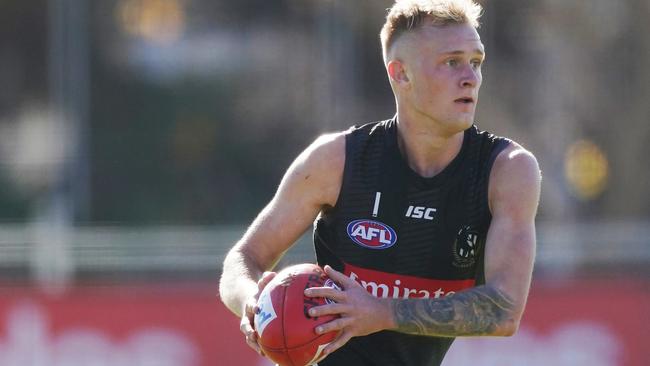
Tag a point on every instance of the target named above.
point(425, 222)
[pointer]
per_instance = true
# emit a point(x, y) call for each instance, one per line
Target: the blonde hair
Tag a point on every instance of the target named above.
point(408, 15)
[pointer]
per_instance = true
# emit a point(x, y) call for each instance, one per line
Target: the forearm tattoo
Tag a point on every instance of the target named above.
point(478, 311)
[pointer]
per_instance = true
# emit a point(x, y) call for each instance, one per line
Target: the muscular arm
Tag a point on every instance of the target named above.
point(311, 182)
point(496, 307)
point(479, 311)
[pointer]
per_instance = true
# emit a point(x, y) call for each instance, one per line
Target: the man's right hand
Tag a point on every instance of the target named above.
point(246, 324)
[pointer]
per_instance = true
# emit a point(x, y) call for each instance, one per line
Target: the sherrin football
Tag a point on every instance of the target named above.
point(286, 331)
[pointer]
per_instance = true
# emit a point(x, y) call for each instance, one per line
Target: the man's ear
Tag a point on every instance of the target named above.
point(397, 72)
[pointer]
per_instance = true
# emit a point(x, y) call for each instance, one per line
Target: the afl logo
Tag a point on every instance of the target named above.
point(372, 234)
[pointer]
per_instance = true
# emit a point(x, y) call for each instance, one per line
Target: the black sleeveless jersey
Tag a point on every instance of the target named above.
point(401, 235)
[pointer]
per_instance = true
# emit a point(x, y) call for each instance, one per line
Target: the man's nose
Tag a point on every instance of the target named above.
point(471, 77)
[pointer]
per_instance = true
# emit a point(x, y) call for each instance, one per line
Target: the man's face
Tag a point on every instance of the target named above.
point(443, 65)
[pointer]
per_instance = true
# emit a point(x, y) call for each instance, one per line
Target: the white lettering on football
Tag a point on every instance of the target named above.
point(265, 314)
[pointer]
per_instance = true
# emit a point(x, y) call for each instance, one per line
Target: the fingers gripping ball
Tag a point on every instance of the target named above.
point(286, 331)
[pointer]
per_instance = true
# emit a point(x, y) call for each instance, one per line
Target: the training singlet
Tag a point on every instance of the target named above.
point(401, 235)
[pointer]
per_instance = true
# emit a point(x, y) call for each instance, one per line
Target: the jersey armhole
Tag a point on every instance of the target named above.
point(500, 145)
point(346, 167)
point(355, 137)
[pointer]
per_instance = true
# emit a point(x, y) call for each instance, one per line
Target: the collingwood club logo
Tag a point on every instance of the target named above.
point(466, 247)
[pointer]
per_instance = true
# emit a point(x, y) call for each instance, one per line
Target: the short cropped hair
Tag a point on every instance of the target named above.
point(409, 15)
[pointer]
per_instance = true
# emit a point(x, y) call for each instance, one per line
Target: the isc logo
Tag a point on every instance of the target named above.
point(372, 234)
point(419, 212)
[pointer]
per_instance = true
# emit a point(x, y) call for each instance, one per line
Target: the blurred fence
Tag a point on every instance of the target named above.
point(43, 252)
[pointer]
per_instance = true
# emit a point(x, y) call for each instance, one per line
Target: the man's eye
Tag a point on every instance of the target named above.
point(452, 62)
point(477, 63)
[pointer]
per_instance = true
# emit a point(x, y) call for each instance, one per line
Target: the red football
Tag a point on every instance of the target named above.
point(286, 331)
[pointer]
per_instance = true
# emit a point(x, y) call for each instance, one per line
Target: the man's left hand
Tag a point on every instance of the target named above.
point(359, 312)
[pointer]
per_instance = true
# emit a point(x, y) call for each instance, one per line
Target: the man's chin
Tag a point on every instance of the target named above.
point(467, 124)
point(454, 127)
point(463, 124)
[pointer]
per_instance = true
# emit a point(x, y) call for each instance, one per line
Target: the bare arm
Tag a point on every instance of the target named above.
point(496, 307)
point(483, 310)
point(311, 182)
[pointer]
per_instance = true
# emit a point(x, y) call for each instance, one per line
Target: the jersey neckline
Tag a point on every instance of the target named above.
point(443, 175)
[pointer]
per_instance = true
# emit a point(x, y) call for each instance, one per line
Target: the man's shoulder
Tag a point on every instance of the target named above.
point(516, 175)
point(330, 148)
point(327, 151)
point(317, 172)
point(515, 156)
point(508, 151)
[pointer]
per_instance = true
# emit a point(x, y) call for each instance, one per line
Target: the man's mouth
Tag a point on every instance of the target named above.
point(464, 100)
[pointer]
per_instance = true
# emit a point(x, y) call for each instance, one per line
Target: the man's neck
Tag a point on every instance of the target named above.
point(426, 146)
